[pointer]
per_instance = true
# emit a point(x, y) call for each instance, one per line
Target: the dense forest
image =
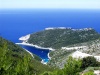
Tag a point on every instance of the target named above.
point(57, 38)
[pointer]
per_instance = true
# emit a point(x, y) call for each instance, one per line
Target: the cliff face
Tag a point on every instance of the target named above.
point(61, 37)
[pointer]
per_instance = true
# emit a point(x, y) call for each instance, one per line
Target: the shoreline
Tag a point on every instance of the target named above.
point(49, 56)
point(36, 46)
point(24, 40)
point(42, 61)
point(27, 44)
point(28, 52)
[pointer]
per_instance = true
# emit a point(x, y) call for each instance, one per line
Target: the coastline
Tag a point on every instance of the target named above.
point(46, 62)
point(43, 62)
point(36, 46)
point(27, 44)
point(24, 40)
point(28, 52)
point(33, 56)
point(49, 56)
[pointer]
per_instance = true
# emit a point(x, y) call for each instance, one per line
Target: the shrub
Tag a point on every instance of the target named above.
point(89, 62)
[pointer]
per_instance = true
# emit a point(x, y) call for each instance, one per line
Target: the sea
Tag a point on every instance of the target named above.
point(15, 23)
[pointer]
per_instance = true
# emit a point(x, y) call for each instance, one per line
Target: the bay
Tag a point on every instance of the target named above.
point(15, 23)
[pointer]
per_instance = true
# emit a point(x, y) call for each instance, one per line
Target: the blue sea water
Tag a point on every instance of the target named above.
point(40, 52)
point(15, 23)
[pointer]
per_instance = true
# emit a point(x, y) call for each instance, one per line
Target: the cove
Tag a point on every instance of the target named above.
point(16, 23)
point(42, 53)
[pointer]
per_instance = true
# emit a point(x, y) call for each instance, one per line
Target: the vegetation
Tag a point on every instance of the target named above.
point(73, 67)
point(58, 38)
point(90, 62)
point(89, 73)
point(59, 58)
point(16, 61)
point(21, 63)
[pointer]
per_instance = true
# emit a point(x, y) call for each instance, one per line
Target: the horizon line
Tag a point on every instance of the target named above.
point(54, 8)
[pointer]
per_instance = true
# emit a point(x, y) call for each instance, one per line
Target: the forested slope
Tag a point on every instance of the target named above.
point(16, 61)
point(57, 38)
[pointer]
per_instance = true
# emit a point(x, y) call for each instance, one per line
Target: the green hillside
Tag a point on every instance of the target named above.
point(57, 38)
point(16, 61)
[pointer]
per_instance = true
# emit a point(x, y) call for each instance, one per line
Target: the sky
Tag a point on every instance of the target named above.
point(80, 4)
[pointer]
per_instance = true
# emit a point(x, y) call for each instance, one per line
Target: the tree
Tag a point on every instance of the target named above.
point(89, 62)
point(48, 73)
point(72, 67)
point(89, 73)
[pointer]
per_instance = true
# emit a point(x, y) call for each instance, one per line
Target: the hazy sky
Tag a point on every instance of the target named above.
point(81, 4)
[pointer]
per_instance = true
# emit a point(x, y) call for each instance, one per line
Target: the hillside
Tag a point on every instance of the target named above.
point(16, 61)
point(57, 37)
point(59, 56)
point(66, 41)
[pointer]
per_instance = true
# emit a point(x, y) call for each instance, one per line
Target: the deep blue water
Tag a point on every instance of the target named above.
point(40, 52)
point(19, 22)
